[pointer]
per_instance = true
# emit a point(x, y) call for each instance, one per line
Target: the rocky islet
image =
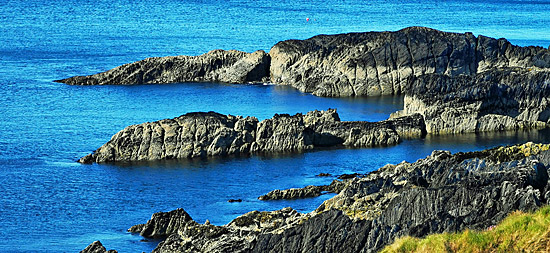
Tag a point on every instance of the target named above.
point(213, 134)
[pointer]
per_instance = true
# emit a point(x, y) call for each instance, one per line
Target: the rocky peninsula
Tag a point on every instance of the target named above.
point(213, 134)
point(457, 82)
point(414, 199)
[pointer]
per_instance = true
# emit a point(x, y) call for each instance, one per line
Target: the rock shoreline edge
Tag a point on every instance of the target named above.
point(370, 212)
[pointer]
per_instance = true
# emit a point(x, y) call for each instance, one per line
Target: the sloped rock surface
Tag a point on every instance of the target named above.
point(441, 193)
point(213, 134)
point(495, 100)
point(215, 66)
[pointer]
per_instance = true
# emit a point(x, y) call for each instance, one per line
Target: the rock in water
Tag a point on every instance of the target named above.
point(215, 66)
point(306, 192)
point(213, 134)
point(97, 247)
point(415, 199)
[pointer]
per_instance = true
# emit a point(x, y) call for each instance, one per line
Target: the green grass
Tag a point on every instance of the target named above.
point(519, 232)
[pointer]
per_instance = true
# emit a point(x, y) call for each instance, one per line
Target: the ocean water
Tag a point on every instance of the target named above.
point(50, 203)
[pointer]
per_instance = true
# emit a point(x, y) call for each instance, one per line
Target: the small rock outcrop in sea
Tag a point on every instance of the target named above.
point(416, 199)
point(97, 247)
point(309, 191)
point(215, 66)
point(213, 134)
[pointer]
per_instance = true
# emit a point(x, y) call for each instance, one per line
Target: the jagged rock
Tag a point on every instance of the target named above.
point(163, 224)
point(97, 247)
point(237, 236)
point(353, 64)
point(381, 63)
point(495, 100)
point(441, 193)
point(213, 134)
point(458, 82)
point(215, 66)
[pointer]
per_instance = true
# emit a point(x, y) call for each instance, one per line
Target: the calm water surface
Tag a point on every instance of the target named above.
point(51, 203)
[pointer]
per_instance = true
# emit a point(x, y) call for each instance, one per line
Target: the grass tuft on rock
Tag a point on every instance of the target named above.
point(519, 232)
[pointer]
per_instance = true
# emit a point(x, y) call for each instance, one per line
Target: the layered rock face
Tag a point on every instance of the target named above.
point(212, 134)
point(215, 66)
point(381, 63)
point(353, 64)
point(495, 100)
point(405, 199)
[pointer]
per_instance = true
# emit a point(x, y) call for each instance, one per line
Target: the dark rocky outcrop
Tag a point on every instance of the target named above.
point(163, 224)
point(213, 134)
point(441, 193)
point(215, 66)
point(353, 64)
point(381, 63)
point(97, 247)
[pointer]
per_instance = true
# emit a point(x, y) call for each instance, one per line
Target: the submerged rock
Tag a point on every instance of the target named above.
point(215, 66)
point(213, 134)
point(441, 193)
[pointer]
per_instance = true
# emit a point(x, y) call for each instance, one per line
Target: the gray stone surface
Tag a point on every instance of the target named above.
point(213, 134)
point(309, 191)
point(458, 82)
point(215, 66)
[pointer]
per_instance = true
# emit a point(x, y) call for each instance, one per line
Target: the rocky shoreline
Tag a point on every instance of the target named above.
point(370, 212)
point(453, 83)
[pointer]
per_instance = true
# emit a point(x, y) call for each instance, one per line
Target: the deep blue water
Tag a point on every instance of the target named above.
point(50, 203)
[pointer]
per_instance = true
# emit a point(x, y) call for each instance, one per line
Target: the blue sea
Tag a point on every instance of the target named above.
point(50, 203)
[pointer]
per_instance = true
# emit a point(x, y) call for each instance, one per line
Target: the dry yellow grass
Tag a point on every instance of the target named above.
point(519, 232)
